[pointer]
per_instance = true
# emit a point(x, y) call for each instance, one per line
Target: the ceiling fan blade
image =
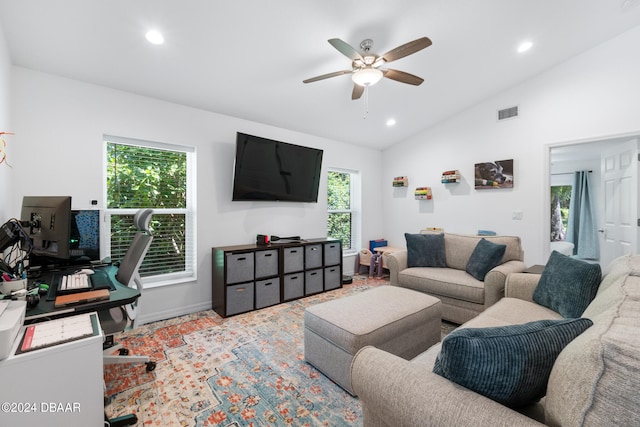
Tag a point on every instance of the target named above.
point(327, 76)
point(345, 49)
point(402, 77)
point(407, 49)
point(357, 91)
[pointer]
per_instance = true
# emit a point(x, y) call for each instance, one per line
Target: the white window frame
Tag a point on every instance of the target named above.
point(355, 207)
point(190, 273)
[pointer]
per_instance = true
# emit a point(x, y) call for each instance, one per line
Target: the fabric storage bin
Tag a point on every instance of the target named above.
point(266, 263)
point(293, 259)
point(239, 267)
point(332, 253)
point(313, 282)
point(332, 278)
point(267, 292)
point(312, 256)
point(293, 286)
point(239, 298)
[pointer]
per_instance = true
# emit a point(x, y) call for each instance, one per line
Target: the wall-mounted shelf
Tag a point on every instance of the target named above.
point(400, 181)
point(423, 193)
point(449, 177)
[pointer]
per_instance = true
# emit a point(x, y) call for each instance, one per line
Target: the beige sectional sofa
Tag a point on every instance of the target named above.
point(595, 380)
point(463, 296)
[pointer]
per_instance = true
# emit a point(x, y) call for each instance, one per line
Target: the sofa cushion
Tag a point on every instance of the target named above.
point(509, 364)
point(459, 247)
point(567, 285)
point(484, 257)
point(425, 250)
point(595, 380)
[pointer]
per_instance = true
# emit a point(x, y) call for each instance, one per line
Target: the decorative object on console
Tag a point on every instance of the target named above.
point(400, 181)
point(496, 174)
point(423, 193)
point(451, 176)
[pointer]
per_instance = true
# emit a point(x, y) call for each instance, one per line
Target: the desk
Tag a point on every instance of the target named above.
point(59, 386)
point(122, 295)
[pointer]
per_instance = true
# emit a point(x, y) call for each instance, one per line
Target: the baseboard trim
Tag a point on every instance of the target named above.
point(168, 314)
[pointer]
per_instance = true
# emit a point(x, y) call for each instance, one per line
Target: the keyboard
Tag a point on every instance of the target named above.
point(68, 283)
point(74, 282)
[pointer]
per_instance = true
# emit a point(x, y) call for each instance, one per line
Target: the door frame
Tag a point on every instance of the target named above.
point(546, 196)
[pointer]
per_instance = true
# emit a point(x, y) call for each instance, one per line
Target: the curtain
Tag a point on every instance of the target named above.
point(582, 225)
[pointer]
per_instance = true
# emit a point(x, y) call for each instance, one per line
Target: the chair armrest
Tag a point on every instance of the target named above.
point(394, 391)
point(495, 279)
point(521, 285)
point(395, 262)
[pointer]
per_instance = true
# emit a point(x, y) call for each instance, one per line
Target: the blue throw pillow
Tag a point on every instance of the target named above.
point(425, 250)
point(484, 257)
point(567, 285)
point(508, 364)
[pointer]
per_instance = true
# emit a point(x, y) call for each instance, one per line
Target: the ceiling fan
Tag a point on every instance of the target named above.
point(365, 67)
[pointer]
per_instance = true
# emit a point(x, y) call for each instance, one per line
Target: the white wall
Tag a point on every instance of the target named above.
point(592, 95)
point(5, 126)
point(61, 123)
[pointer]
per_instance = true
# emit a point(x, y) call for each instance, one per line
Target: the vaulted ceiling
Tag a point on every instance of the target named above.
point(248, 58)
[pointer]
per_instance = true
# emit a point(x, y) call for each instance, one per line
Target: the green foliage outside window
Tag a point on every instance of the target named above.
point(560, 200)
point(140, 177)
point(339, 205)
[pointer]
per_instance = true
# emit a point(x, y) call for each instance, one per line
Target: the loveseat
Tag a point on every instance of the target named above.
point(594, 381)
point(463, 296)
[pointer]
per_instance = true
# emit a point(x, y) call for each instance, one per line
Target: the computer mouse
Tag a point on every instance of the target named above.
point(87, 271)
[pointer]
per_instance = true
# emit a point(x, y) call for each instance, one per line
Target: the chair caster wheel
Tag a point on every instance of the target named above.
point(150, 366)
point(123, 352)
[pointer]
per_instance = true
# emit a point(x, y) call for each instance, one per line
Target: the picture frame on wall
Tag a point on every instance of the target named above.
point(496, 174)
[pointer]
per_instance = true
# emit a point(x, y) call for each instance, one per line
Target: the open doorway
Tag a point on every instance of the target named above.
point(612, 166)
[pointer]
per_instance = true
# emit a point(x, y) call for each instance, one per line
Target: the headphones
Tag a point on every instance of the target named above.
point(32, 300)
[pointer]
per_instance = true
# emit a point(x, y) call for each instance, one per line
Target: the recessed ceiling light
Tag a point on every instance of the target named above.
point(391, 122)
point(524, 46)
point(154, 37)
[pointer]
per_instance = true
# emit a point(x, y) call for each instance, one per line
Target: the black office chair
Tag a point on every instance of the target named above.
point(117, 319)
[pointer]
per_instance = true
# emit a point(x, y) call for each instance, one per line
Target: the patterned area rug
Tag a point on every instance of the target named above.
point(246, 370)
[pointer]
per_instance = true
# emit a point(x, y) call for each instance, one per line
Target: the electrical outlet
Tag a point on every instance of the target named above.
point(517, 215)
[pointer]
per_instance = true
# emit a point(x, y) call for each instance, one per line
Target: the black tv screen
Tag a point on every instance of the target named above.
point(272, 170)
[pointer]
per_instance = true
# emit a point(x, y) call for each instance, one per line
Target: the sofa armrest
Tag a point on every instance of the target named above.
point(521, 285)
point(396, 262)
point(494, 281)
point(397, 392)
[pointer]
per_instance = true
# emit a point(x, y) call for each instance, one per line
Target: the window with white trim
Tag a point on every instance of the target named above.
point(343, 207)
point(144, 174)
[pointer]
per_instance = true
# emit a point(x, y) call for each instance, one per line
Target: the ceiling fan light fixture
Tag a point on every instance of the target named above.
point(366, 76)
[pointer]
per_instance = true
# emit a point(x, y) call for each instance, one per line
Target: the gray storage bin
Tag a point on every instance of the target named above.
point(293, 286)
point(239, 298)
point(266, 263)
point(239, 267)
point(313, 282)
point(312, 256)
point(332, 253)
point(267, 292)
point(332, 278)
point(293, 259)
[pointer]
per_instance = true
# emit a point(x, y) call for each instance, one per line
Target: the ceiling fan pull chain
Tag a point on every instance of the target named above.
point(366, 102)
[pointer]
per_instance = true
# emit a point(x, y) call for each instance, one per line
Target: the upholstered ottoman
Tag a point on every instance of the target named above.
point(397, 320)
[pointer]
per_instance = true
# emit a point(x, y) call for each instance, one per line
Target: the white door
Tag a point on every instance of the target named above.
point(619, 217)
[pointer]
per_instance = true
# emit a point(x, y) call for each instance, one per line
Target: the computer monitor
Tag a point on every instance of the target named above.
point(47, 222)
point(84, 244)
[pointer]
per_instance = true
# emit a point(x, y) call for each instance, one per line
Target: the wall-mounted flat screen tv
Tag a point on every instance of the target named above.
point(272, 170)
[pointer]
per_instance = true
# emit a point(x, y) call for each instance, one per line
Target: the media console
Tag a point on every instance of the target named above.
point(250, 277)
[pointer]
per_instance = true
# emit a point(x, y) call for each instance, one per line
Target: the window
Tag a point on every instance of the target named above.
point(143, 174)
point(343, 220)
